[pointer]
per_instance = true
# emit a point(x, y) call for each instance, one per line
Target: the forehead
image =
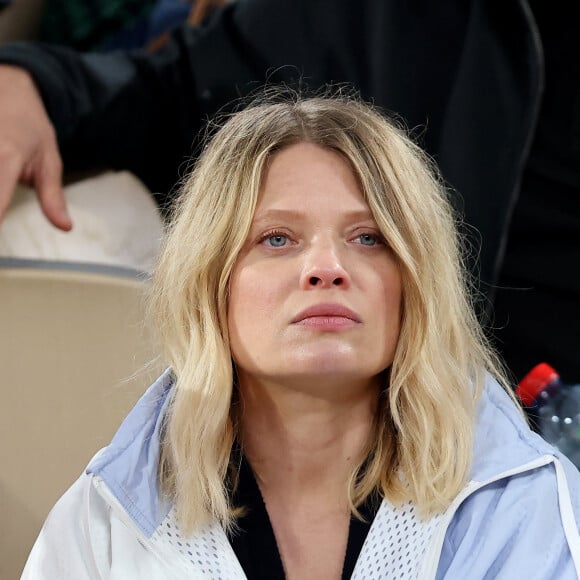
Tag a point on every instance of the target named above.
point(305, 177)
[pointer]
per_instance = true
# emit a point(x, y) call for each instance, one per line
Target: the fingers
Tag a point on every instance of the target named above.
point(48, 183)
point(28, 147)
point(10, 175)
point(45, 174)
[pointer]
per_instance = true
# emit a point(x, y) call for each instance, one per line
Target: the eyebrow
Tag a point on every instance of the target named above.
point(274, 214)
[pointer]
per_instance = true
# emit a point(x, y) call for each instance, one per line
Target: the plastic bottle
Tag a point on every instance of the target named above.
point(556, 408)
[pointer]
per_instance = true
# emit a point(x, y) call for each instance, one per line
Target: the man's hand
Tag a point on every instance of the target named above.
point(28, 148)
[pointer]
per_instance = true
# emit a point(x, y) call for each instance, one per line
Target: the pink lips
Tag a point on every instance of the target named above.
point(327, 316)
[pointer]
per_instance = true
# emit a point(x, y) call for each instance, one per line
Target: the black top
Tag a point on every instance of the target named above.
point(255, 544)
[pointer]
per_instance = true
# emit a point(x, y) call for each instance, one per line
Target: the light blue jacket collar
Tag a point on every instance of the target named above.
point(128, 465)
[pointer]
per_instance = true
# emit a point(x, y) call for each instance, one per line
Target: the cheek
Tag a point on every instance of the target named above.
point(390, 279)
point(391, 298)
point(395, 290)
point(238, 312)
point(253, 300)
point(254, 309)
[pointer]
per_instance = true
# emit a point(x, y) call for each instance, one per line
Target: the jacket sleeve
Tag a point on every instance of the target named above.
point(75, 539)
point(514, 528)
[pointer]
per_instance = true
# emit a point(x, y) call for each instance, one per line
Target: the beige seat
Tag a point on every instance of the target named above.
point(71, 340)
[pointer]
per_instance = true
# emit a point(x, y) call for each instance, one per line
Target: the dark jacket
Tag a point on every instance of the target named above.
point(466, 76)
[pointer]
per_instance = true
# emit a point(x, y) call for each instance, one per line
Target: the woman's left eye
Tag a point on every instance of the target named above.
point(369, 239)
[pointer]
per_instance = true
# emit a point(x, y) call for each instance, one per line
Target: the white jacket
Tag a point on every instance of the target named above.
point(516, 519)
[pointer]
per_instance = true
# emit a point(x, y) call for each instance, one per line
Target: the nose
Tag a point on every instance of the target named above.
point(324, 268)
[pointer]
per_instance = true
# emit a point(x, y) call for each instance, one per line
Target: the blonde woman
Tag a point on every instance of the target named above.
point(332, 409)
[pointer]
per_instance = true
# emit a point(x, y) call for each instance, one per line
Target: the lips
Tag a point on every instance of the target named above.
point(328, 310)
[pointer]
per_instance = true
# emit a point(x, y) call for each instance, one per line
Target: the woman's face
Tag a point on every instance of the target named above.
point(315, 294)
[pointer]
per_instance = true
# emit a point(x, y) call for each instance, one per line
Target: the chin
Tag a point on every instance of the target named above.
point(336, 365)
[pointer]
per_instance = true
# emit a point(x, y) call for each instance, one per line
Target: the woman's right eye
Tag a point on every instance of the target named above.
point(276, 240)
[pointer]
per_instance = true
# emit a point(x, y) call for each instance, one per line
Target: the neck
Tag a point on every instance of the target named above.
point(297, 440)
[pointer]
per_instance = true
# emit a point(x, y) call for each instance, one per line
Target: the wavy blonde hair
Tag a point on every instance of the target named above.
point(422, 440)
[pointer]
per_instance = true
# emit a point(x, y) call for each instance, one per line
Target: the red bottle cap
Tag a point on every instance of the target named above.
point(535, 382)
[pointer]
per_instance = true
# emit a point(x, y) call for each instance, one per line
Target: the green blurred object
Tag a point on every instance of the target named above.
point(86, 24)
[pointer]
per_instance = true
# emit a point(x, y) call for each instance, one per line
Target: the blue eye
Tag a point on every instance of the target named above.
point(369, 239)
point(277, 240)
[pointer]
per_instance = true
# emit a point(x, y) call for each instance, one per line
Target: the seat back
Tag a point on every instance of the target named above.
point(73, 357)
